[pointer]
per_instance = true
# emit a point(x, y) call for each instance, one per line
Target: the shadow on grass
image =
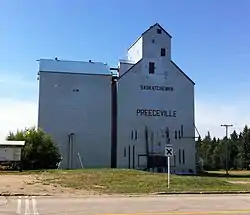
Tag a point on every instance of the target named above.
point(223, 175)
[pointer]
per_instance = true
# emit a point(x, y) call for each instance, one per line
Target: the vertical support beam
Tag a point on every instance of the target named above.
point(114, 122)
point(72, 149)
point(129, 155)
point(146, 146)
point(69, 151)
point(133, 156)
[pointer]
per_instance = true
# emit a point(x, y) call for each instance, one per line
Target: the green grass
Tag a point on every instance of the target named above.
point(133, 181)
point(139, 182)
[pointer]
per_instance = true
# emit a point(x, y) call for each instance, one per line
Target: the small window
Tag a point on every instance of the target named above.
point(134, 135)
point(163, 52)
point(175, 134)
point(125, 152)
point(153, 41)
point(182, 128)
point(159, 31)
point(151, 67)
point(167, 132)
point(174, 160)
point(179, 132)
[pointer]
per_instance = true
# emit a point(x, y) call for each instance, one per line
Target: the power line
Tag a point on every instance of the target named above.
point(226, 127)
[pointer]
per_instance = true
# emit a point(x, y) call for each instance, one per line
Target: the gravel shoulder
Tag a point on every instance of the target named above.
point(33, 185)
point(106, 182)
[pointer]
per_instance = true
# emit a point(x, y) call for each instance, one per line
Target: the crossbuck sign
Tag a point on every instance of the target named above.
point(169, 152)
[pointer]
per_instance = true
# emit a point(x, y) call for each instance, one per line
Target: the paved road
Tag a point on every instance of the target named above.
point(163, 205)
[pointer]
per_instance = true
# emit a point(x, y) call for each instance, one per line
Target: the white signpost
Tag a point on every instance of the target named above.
point(169, 152)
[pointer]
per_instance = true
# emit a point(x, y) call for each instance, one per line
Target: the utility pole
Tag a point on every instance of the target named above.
point(226, 126)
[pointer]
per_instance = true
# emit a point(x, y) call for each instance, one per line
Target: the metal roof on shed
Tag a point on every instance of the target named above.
point(81, 67)
point(12, 143)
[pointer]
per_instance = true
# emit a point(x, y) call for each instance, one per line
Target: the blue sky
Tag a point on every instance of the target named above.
point(210, 43)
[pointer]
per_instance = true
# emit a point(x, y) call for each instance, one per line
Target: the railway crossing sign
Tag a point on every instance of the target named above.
point(169, 152)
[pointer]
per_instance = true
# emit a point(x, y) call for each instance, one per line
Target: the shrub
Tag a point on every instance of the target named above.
point(39, 152)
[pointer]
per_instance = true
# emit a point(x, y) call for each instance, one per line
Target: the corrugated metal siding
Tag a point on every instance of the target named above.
point(87, 113)
point(135, 51)
point(131, 127)
point(132, 98)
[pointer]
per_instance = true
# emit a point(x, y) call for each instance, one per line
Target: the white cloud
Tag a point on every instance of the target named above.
point(211, 114)
point(16, 114)
point(10, 80)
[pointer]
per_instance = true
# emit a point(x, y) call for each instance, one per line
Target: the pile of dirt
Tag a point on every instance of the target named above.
point(33, 185)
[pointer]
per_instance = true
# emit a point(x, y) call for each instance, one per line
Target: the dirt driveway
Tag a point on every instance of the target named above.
point(11, 184)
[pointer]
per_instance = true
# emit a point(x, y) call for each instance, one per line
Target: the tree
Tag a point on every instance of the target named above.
point(207, 150)
point(212, 151)
point(216, 159)
point(246, 146)
point(39, 152)
point(233, 143)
